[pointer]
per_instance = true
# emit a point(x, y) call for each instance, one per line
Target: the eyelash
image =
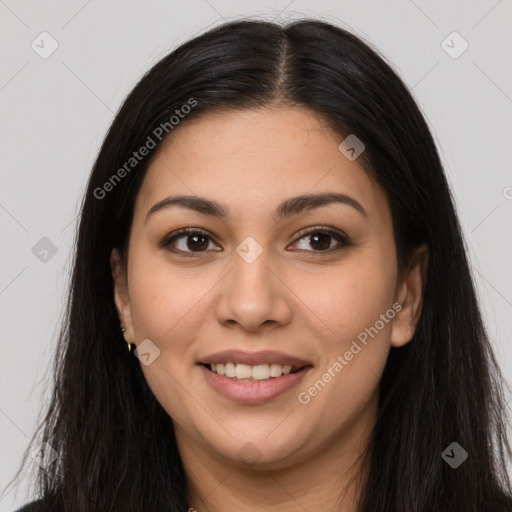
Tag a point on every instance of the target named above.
point(340, 237)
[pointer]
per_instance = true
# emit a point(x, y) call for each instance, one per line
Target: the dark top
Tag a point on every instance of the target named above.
point(37, 506)
point(33, 506)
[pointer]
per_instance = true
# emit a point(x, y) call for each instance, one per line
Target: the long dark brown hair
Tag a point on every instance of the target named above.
point(115, 443)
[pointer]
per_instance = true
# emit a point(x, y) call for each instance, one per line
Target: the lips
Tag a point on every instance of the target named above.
point(264, 383)
point(256, 358)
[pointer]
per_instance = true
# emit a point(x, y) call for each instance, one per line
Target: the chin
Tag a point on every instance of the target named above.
point(270, 446)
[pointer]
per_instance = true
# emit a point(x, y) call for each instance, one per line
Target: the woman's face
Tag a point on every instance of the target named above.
point(265, 279)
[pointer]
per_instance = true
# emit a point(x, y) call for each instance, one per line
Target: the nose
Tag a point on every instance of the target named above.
point(253, 294)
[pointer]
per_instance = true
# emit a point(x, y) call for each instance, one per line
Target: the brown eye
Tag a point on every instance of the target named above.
point(198, 242)
point(187, 241)
point(191, 240)
point(320, 240)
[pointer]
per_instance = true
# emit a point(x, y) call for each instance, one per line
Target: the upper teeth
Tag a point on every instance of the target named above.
point(245, 371)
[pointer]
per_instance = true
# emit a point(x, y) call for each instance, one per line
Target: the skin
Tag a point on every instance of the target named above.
point(303, 302)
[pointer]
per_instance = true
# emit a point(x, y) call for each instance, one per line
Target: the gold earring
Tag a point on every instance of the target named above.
point(129, 344)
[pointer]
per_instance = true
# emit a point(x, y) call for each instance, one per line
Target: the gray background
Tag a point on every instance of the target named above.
point(55, 111)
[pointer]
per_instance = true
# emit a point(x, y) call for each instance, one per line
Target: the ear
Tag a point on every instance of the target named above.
point(410, 296)
point(121, 296)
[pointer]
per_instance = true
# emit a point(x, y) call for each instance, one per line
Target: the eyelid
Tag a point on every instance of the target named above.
point(343, 239)
point(326, 228)
point(166, 241)
point(330, 230)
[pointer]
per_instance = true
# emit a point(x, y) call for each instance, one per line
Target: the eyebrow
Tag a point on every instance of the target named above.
point(289, 207)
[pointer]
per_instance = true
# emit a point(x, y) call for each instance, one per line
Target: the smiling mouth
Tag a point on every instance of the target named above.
point(253, 378)
point(252, 373)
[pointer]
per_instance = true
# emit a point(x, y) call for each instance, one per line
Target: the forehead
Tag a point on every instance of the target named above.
point(257, 157)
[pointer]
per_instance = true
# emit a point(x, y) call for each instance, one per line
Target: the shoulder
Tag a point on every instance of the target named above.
point(33, 506)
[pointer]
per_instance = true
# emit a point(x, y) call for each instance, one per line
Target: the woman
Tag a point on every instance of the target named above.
point(269, 226)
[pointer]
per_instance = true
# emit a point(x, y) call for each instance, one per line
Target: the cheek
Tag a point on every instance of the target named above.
point(165, 298)
point(354, 357)
point(352, 296)
point(166, 307)
point(355, 301)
